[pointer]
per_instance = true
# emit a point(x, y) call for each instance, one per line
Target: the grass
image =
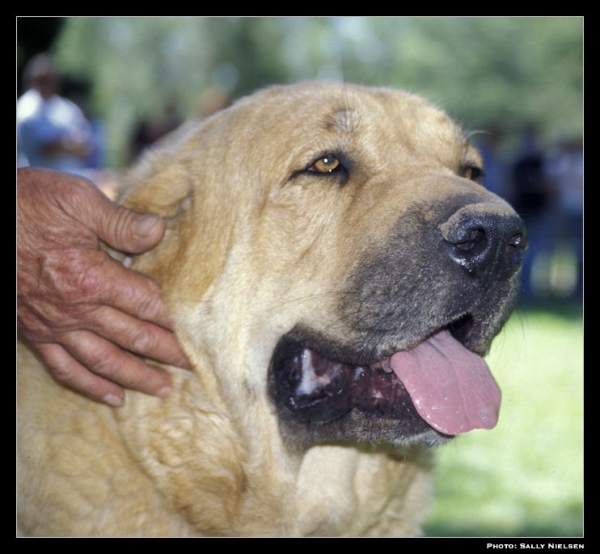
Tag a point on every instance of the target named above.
point(525, 477)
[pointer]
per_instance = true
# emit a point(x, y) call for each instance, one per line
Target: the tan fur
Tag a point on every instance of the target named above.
point(249, 252)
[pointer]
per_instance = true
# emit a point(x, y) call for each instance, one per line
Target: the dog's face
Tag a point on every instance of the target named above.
point(334, 267)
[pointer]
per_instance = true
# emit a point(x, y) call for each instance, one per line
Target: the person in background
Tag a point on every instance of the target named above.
point(52, 132)
point(564, 170)
point(531, 198)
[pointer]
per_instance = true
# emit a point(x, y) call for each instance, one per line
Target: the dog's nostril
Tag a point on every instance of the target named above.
point(516, 247)
point(481, 239)
point(476, 239)
point(518, 241)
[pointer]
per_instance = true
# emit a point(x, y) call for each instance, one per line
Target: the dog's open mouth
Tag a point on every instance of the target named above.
point(449, 387)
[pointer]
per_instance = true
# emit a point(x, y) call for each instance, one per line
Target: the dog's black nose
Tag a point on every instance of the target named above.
point(485, 239)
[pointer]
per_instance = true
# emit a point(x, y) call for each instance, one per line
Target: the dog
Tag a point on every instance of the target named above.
point(335, 272)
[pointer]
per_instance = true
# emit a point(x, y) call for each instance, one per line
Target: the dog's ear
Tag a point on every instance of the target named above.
point(164, 177)
point(163, 193)
point(183, 184)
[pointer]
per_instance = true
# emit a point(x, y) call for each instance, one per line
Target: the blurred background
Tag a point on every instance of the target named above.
point(516, 83)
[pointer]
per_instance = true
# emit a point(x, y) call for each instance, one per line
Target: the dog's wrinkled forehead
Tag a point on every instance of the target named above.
point(343, 120)
point(402, 123)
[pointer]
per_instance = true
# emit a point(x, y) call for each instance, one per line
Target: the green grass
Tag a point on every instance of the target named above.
point(525, 477)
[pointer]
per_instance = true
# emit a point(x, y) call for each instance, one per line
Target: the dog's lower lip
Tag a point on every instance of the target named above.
point(326, 371)
point(449, 386)
point(317, 388)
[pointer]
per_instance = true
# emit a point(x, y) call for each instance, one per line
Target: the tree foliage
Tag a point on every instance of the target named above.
point(509, 71)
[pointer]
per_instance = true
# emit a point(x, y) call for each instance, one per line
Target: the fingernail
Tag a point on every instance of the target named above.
point(143, 226)
point(164, 392)
point(113, 400)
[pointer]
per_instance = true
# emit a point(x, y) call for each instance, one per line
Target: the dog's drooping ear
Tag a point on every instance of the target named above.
point(167, 201)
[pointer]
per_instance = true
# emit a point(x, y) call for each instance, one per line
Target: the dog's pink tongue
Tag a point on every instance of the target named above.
point(451, 388)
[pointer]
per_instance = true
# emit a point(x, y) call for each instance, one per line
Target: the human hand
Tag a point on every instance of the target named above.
point(88, 316)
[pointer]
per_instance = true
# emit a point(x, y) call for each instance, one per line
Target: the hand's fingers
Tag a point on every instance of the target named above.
point(124, 229)
point(135, 294)
point(75, 287)
point(79, 202)
point(108, 361)
point(70, 372)
point(146, 339)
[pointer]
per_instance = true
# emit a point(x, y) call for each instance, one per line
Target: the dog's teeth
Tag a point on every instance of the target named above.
point(359, 373)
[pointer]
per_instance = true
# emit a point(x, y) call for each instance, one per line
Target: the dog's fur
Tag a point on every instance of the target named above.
point(267, 253)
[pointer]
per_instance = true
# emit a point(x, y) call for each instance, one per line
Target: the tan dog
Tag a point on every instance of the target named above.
point(335, 271)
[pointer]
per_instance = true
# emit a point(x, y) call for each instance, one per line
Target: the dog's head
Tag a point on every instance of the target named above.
point(334, 262)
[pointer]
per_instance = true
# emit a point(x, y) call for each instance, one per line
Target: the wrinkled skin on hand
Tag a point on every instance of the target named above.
point(88, 316)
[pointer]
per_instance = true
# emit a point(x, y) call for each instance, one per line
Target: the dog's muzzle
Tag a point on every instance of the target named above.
point(422, 310)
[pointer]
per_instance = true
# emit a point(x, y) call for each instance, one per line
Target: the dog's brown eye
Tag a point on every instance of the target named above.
point(472, 172)
point(326, 164)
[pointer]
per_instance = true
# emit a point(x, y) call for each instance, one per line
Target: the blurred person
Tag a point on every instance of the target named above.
point(91, 319)
point(531, 192)
point(141, 139)
point(80, 95)
point(564, 170)
point(52, 132)
point(495, 179)
point(531, 199)
point(148, 132)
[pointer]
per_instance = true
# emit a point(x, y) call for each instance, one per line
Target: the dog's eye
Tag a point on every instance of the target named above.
point(472, 172)
point(326, 164)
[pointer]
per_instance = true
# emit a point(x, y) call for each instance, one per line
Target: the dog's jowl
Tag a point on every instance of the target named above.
point(335, 272)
